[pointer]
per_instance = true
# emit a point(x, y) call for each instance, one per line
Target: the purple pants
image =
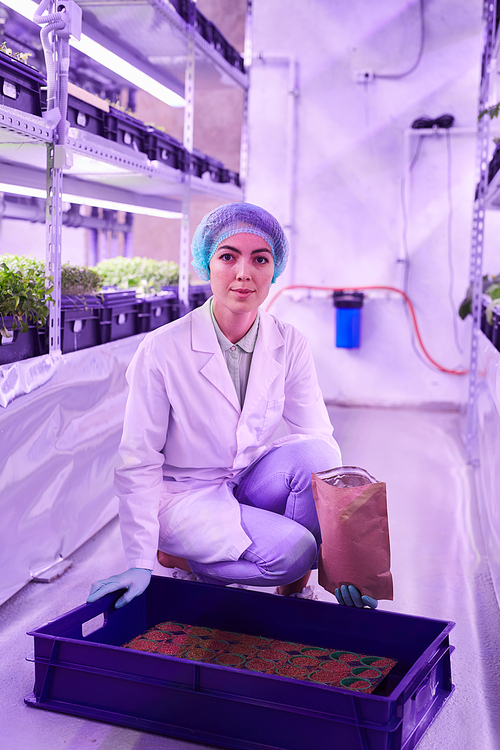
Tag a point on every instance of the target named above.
point(279, 515)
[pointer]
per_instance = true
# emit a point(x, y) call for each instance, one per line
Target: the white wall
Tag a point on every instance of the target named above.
point(348, 214)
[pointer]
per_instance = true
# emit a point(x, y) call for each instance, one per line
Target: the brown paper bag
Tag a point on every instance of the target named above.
point(355, 532)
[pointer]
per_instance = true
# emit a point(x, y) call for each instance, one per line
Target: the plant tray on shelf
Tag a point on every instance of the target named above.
point(20, 85)
point(125, 129)
point(158, 310)
point(83, 667)
point(119, 314)
point(165, 148)
point(207, 167)
point(197, 294)
point(21, 344)
point(227, 51)
point(85, 116)
point(80, 322)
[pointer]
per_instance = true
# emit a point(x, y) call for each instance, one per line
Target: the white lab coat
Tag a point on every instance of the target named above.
point(186, 439)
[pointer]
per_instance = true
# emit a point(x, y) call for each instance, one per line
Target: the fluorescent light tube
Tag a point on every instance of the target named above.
point(109, 60)
point(117, 64)
point(30, 192)
point(33, 192)
point(114, 206)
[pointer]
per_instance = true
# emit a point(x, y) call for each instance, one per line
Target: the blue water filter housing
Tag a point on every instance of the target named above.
point(348, 318)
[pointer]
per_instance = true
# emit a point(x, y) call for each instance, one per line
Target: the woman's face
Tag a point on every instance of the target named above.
point(241, 271)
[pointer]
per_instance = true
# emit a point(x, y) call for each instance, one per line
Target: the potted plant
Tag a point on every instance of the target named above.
point(24, 297)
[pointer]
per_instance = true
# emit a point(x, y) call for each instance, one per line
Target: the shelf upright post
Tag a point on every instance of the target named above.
point(478, 220)
point(53, 223)
point(247, 59)
point(188, 141)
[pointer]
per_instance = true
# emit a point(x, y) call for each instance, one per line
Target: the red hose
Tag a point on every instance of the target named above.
point(383, 288)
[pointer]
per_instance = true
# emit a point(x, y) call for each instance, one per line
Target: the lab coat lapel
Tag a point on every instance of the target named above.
point(213, 366)
point(265, 368)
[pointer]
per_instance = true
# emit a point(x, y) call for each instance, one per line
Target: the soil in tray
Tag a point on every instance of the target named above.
point(325, 666)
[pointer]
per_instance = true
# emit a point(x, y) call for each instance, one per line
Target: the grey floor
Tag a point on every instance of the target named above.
point(437, 562)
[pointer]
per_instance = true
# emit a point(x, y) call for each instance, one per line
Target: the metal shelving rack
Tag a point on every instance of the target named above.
point(484, 199)
point(158, 41)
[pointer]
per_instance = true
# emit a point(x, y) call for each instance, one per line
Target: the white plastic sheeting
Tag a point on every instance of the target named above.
point(488, 471)
point(58, 450)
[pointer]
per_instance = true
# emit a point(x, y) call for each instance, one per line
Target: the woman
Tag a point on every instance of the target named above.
point(204, 482)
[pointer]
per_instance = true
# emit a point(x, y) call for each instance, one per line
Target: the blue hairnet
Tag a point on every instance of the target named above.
point(233, 218)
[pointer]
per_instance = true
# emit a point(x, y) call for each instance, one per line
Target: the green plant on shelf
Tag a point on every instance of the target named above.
point(79, 280)
point(21, 56)
point(146, 275)
point(491, 287)
point(24, 293)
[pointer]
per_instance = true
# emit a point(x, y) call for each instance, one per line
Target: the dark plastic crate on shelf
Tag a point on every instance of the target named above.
point(494, 164)
point(204, 27)
point(85, 116)
point(227, 51)
point(165, 148)
point(197, 163)
point(81, 668)
point(119, 314)
point(20, 85)
point(125, 129)
point(80, 322)
point(207, 167)
point(21, 344)
point(486, 326)
point(185, 8)
point(495, 334)
point(232, 177)
point(197, 294)
point(158, 310)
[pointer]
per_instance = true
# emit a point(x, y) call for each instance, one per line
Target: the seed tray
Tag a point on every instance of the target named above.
point(20, 85)
point(82, 668)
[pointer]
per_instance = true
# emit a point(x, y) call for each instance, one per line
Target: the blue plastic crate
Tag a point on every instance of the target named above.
point(86, 671)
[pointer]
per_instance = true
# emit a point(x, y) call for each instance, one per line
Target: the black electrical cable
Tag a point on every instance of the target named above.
point(395, 76)
point(427, 123)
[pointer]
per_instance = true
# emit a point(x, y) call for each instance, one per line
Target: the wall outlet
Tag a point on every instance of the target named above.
point(364, 76)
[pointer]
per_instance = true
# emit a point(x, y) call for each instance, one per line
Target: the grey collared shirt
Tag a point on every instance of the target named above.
point(238, 356)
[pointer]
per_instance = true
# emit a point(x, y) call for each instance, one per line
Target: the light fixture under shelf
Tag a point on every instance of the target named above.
point(33, 192)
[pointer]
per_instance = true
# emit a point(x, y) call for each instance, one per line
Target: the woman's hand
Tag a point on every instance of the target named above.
point(350, 596)
point(134, 580)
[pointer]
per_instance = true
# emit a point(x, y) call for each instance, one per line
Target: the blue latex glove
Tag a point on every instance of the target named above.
point(350, 596)
point(135, 580)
